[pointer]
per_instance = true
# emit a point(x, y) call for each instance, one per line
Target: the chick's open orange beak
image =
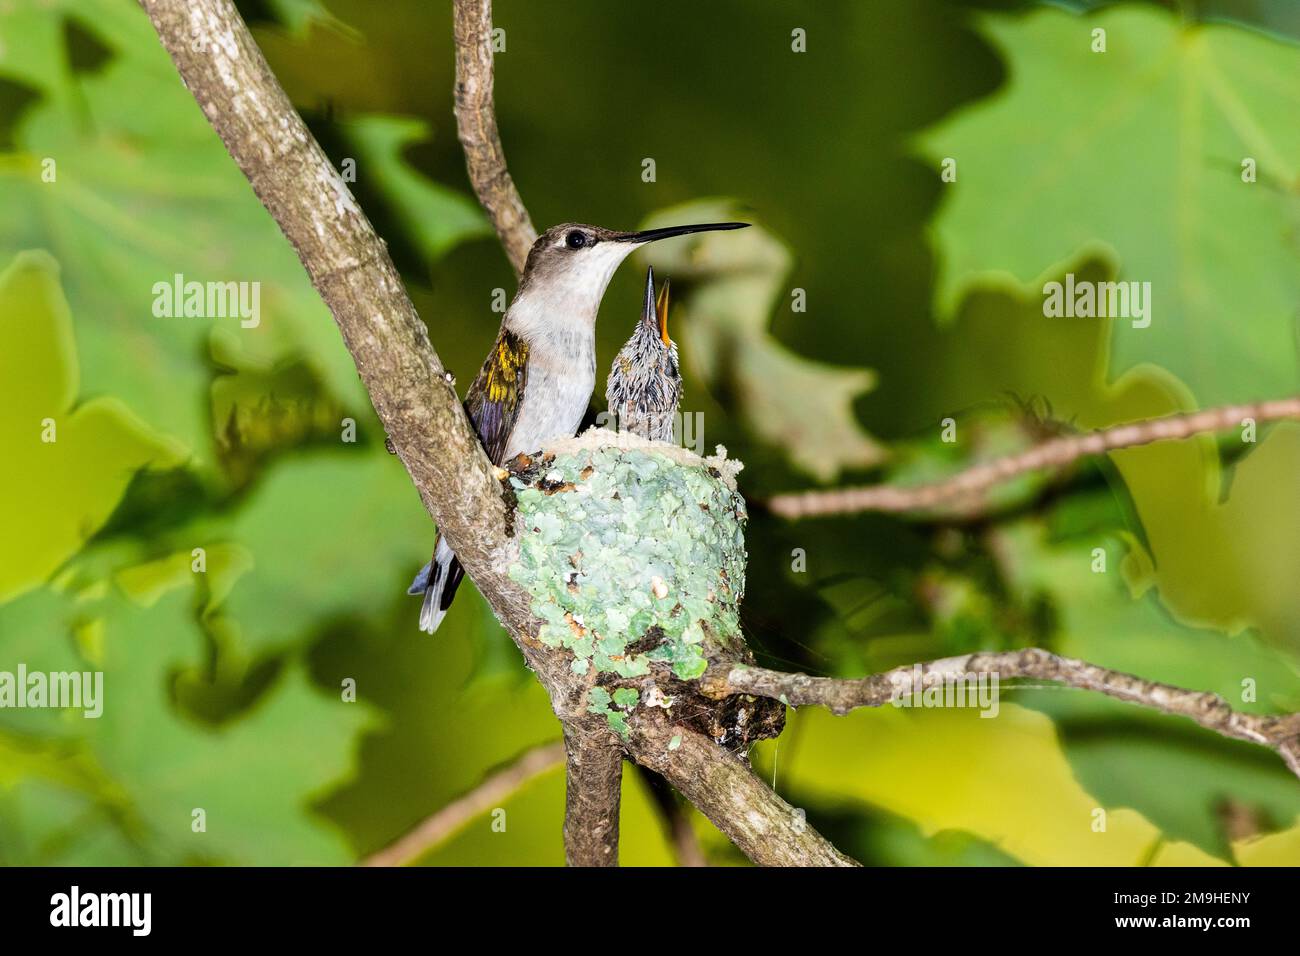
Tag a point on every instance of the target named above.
point(661, 309)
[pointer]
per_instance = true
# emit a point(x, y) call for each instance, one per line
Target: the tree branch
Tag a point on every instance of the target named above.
point(1053, 454)
point(436, 828)
point(476, 123)
point(1280, 733)
point(593, 788)
point(767, 829)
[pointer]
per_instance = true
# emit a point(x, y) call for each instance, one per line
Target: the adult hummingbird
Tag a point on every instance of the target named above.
point(536, 382)
point(644, 384)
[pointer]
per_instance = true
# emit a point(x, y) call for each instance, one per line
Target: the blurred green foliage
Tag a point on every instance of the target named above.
point(1159, 125)
point(226, 690)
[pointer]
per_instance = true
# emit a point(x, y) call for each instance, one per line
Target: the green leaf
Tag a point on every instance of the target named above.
point(1107, 617)
point(252, 778)
point(45, 824)
point(328, 534)
point(139, 196)
point(1194, 506)
point(68, 464)
point(1139, 156)
point(435, 217)
point(1004, 780)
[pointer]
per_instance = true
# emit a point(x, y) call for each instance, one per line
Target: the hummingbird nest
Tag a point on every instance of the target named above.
point(634, 555)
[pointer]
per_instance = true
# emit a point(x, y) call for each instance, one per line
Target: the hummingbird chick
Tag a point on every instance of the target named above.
point(645, 384)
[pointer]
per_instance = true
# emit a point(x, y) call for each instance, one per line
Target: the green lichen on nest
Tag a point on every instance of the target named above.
point(631, 558)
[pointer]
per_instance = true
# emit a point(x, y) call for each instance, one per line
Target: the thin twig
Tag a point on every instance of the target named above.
point(437, 827)
point(1052, 454)
point(476, 123)
point(1280, 733)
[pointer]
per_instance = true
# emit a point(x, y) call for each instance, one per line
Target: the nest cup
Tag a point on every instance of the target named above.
point(634, 556)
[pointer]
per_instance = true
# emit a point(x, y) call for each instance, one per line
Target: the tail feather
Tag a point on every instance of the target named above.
point(438, 581)
point(421, 581)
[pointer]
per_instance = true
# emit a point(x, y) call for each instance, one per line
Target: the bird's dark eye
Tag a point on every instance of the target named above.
point(576, 239)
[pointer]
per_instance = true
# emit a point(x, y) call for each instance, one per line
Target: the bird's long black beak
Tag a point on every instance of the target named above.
point(668, 232)
point(655, 313)
point(648, 315)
